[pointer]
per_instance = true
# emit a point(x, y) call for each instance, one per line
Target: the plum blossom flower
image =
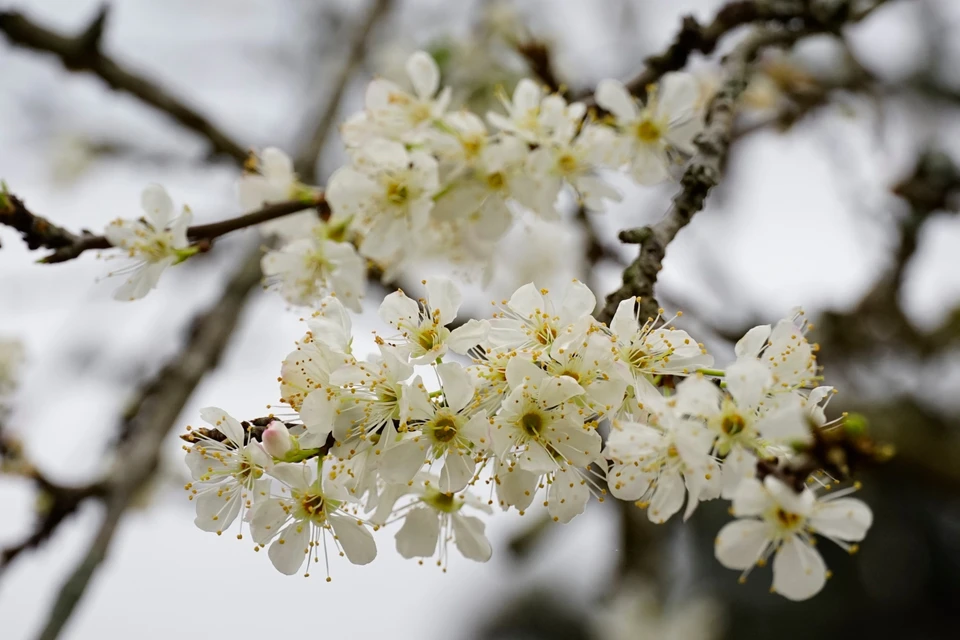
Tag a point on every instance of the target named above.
point(424, 336)
point(784, 349)
point(743, 420)
point(774, 519)
point(453, 431)
point(533, 319)
point(658, 464)
point(539, 422)
point(434, 518)
point(156, 241)
point(307, 269)
point(535, 118)
point(396, 114)
point(651, 348)
point(388, 192)
point(577, 162)
point(268, 178)
point(297, 524)
point(668, 121)
point(228, 475)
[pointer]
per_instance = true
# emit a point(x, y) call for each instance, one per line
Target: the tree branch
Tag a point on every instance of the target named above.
point(693, 37)
point(702, 174)
point(306, 160)
point(38, 232)
point(82, 53)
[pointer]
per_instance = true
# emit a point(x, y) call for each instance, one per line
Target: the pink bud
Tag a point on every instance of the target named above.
point(276, 439)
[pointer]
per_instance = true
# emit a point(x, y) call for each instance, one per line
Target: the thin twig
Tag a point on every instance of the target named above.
point(306, 160)
point(693, 37)
point(38, 232)
point(82, 53)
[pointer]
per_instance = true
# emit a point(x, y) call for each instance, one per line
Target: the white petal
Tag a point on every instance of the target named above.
point(217, 512)
point(613, 96)
point(468, 535)
point(556, 390)
point(266, 520)
point(458, 468)
point(276, 166)
point(157, 205)
point(679, 92)
point(752, 341)
point(527, 95)
point(354, 538)
point(516, 487)
point(445, 297)
point(418, 536)
point(522, 371)
point(318, 413)
point(667, 497)
point(457, 385)
point(844, 518)
point(741, 543)
point(567, 495)
point(750, 498)
point(397, 309)
point(798, 570)
point(578, 302)
point(401, 461)
point(747, 381)
point(469, 335)
point(628, 481)
point(290, 548)
point(226, 424)
point(424, 74)
point(624, 324)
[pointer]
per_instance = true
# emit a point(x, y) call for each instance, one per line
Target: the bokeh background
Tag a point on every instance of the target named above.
point(805, 216)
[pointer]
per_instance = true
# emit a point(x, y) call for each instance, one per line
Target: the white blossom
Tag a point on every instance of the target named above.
point(155, 242)
point(540, 423)
point(668, 121)
point(296, 525)
point(453, 432)
point(388, 192)
point(743, 420)
point(536, 118)
point(658, 464)
point(228, 475)
point(424, 336)
point(532, 318)
point(774, 519)
point(432, 519)
point(269, 178)
point(575, 161)
point(396, 114)
point(314, 266)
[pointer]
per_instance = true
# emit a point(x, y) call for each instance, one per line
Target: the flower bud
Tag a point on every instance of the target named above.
point(276, 439)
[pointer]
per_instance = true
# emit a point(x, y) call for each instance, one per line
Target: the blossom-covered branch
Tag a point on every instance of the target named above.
point(83, 53)
point(38, 232)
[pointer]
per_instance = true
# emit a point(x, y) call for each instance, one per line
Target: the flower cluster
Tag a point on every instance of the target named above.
point(517, 403)
point(424, 180)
